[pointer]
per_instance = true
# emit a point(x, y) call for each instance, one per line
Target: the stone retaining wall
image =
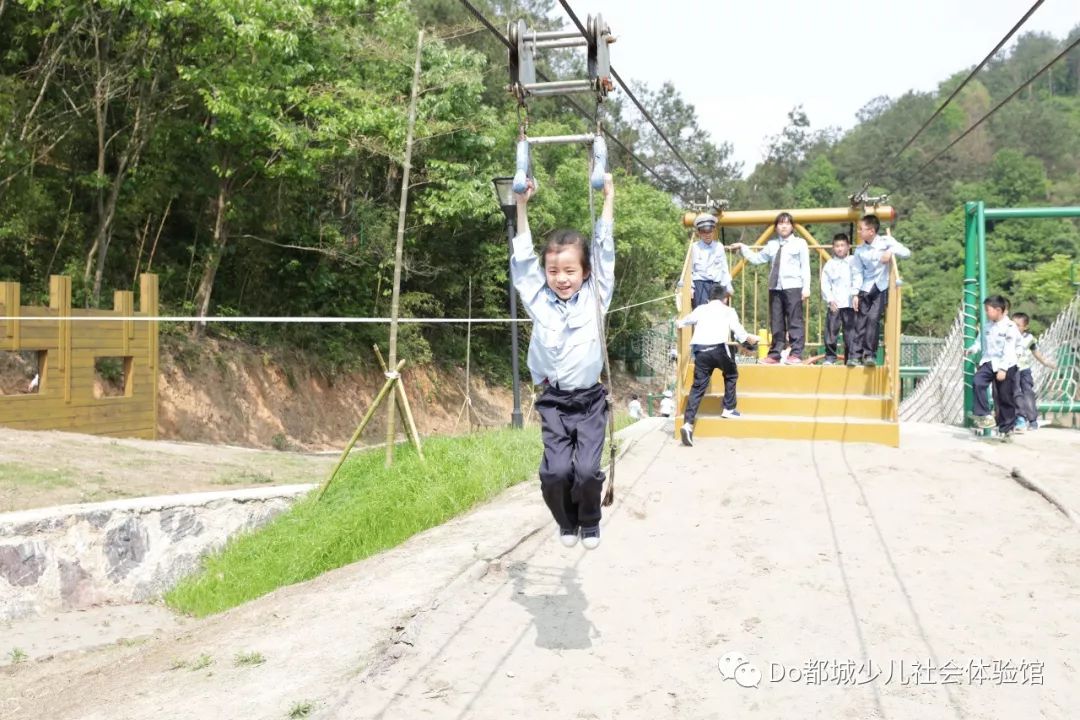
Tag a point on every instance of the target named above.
point(77, 556)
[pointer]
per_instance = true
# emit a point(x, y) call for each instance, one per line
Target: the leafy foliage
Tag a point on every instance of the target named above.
point(251, 155)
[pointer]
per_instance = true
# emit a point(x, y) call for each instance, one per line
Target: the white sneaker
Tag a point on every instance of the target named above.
point(687, 431)
point(568, 539)
point(590, 537)
point(730, 414)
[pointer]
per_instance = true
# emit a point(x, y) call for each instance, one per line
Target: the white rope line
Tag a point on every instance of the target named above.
point(285, 319)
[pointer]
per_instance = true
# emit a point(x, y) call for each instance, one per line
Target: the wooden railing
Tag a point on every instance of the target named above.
point(67, 352)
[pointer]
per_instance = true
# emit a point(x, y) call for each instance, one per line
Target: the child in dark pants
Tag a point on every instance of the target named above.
point(789, 287)
point(1027, 407)
point(708, 266)
point(997, 369)
point(560, 294)
point(714, 323)
point(838, 289)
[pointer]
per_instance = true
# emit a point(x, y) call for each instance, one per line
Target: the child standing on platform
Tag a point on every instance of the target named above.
point(872, 262)
point(559, 289)
point(789, 286)
point(709, 265)
point(837, 289)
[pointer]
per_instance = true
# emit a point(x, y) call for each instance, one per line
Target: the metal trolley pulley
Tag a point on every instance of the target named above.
point(525, 44)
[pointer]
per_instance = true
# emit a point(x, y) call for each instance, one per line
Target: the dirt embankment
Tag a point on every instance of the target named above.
point(228, 392)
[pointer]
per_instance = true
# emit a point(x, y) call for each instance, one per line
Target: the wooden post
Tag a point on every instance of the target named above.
point(390, 422)
point(402, 401)
point(124, 305)
point(12, 302)
point(60, 301)
point(466, 405)
point(148, 305)
point(390, 382)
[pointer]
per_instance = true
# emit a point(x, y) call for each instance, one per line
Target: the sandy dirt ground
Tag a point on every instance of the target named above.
point(751, 580)
point(39, 469)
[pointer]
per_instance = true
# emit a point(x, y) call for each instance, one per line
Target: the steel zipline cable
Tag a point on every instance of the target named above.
point(969, 78)
point(581, 111)
point(1001, 104)
point(301, 319)
point(573, 16)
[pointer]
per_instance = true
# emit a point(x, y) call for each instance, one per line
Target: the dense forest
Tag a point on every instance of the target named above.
point(251, 155)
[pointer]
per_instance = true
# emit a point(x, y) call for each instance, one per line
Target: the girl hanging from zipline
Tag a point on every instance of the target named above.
point(560, 292)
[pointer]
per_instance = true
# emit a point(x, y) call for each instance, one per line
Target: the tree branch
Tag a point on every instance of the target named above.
point(328, 252)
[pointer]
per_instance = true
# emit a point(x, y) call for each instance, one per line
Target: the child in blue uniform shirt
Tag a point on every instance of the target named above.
point(559, 289)
point(789, 287)
point(997, 368)
point(838, 289)
point(871, 264)
point(709, 265)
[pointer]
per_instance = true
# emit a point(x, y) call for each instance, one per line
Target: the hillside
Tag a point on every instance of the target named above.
point(271, 187)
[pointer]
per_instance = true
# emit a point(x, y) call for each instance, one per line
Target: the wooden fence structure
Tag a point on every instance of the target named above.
point(68, 349)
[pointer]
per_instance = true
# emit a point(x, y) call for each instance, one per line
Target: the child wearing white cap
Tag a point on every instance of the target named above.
point(709, 265)
point(667, 405)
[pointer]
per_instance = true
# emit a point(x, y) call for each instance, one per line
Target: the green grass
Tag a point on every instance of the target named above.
point(368, 509)
point(301, 709)
point(242, 477)
point(203, 661)
point(23, 475)
point(249, 659)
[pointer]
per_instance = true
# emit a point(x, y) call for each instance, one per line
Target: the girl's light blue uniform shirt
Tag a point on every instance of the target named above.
point(794, 260)
point(565, 346)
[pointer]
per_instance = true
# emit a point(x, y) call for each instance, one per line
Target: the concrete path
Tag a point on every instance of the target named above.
point(749, 580)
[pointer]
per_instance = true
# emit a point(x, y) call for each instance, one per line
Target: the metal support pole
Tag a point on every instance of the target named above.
point(970, 303)
point(557, 139)
point(515, 415)
point(552, 35)
point(557, 85)
point(553, 93)
point(568, 43)
point(980, 228)
point(1039, 212)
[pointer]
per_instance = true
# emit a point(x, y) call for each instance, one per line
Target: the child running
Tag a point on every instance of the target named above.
point(559, 290)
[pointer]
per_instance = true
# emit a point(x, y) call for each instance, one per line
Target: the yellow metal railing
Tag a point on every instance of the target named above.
point(744, 274)
point(849, 214)
point(682, 301)
point(892, 340)
point(751, 297)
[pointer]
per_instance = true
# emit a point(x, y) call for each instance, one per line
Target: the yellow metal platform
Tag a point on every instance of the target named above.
point(795, 402)
point(801, 402)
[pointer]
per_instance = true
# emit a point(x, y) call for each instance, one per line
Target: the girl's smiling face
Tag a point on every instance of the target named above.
point(565, 273)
